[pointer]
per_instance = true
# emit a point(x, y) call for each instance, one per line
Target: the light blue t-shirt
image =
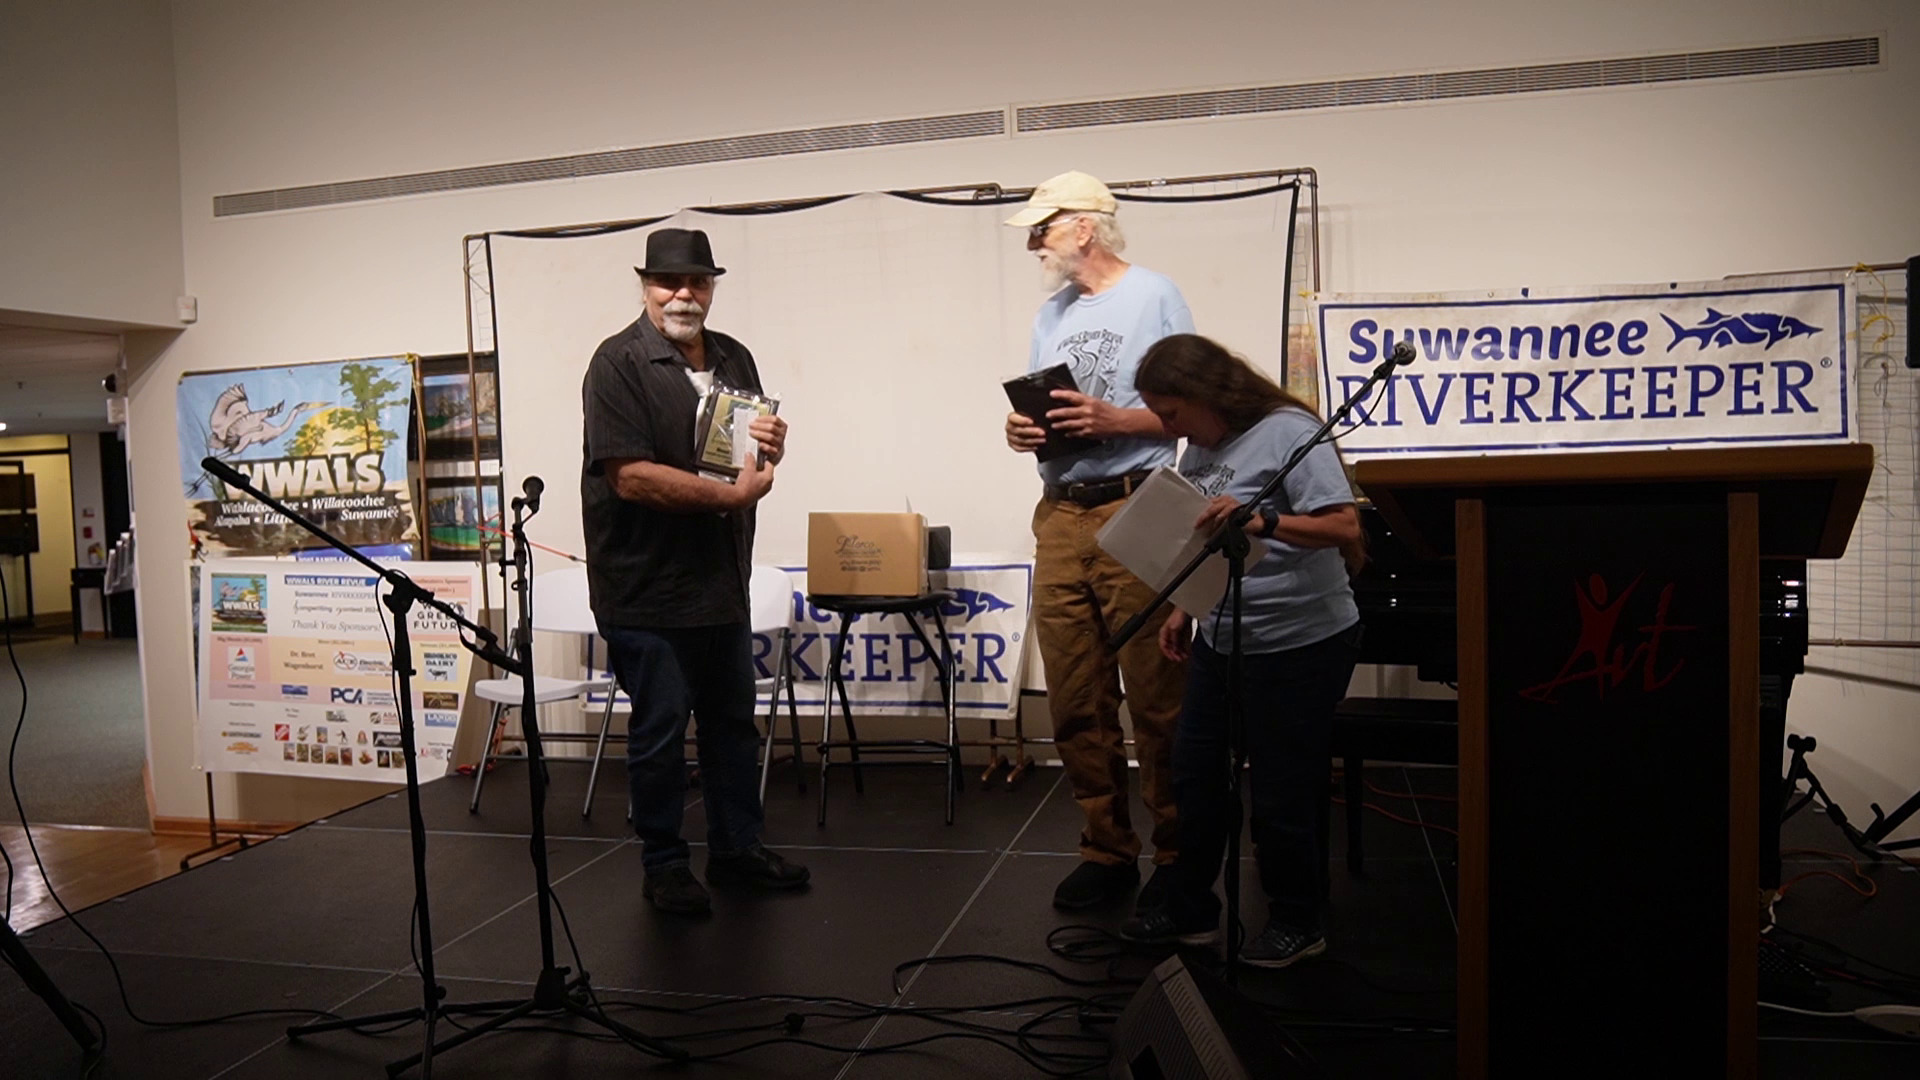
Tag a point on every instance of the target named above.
point(1101, 338)
point(1295, 595)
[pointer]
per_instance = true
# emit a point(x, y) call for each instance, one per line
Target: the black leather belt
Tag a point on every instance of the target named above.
point(1098, 492)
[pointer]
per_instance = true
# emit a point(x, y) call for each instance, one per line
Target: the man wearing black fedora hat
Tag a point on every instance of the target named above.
point(669, 557)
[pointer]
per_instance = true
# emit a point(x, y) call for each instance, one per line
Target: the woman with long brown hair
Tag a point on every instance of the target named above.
point(1299, 634)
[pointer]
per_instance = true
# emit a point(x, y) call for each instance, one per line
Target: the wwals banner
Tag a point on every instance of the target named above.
point(1636, 367)
point(329, 440)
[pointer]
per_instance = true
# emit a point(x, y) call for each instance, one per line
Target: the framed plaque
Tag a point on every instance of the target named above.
point(721, 442)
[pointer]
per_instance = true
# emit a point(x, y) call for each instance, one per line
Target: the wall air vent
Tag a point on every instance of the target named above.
point(700, 152)
point(1062, 116)
point(1453, 85)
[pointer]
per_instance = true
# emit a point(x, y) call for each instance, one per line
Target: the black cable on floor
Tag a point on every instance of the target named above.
point(119, 982)
point(1024, 1041)
point(1048, 1052)
point(1902, 984)
point(13, 746)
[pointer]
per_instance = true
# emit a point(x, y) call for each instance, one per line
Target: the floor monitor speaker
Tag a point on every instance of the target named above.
point(1186, 1024)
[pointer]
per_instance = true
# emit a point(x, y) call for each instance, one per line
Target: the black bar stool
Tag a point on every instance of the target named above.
point(912, 608)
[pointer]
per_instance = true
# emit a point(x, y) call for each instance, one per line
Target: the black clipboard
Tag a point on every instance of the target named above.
point(1032, 396)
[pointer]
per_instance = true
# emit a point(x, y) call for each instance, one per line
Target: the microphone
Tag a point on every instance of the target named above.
point(531, 488)
point(227, 473)
point(1403, 354)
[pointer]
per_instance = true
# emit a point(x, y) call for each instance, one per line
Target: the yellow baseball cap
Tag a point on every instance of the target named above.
point(1068, 191)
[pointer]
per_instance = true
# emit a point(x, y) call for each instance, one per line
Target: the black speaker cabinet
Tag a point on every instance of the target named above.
point(1185, 1024)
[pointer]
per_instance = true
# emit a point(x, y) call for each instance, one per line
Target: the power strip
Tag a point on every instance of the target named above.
point(1902, 1020)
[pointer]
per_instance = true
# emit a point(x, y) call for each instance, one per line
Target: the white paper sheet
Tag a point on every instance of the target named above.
point(1153, 536)
point(744, 445)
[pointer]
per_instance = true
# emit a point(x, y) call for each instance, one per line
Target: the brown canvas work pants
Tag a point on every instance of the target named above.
point(1081, 595)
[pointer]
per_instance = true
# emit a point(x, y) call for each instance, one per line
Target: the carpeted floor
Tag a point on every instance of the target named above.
point(84, 741)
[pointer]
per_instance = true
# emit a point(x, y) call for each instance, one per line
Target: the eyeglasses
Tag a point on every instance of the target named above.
point(673, 283)
point(1040, 231)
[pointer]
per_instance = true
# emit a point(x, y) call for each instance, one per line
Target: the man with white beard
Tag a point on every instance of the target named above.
point(1099, 320)
point(669, 558)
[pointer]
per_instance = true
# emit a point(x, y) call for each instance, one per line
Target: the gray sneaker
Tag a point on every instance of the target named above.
point(1279, 946)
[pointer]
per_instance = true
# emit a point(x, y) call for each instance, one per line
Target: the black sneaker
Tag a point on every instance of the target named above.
point(675, 889)
point(1158, 926)
point(1153, 895)
point(1095, 884)
point(756, 868)
point(1279, 946)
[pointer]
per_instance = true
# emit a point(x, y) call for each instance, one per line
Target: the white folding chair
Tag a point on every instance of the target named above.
point(770, 607)
point(560, 606)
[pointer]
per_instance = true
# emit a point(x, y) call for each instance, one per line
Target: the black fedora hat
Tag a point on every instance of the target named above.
point(679, 251)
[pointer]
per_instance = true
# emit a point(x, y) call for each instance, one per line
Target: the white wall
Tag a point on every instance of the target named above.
point(1662, 183)
point(89, 161)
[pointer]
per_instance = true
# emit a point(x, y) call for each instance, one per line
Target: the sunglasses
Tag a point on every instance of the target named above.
point(1040, 231)
point(676, 282)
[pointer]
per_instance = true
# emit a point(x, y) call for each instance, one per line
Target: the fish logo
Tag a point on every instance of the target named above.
point(1754, 328)
point(973, 603)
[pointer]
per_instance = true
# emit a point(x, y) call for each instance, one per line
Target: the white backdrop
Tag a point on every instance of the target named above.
point(885, 326)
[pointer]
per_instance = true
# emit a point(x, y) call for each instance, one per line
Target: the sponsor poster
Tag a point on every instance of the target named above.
point(1633, 367)
point(296, 675)
point(328, 439)
point(887, 668)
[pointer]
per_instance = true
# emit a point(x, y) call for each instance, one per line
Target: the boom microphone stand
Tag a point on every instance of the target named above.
point(553, 992)
point(401, 596)
point(21, 961)
point(1231, 541)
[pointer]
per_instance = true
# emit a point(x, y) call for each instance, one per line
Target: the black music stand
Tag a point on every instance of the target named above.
point(1231, 541)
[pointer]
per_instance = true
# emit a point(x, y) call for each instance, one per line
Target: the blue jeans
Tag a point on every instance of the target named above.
point(706, 671)
point(1290, 697)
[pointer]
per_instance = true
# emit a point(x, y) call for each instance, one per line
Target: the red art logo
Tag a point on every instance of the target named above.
point(1599, 657)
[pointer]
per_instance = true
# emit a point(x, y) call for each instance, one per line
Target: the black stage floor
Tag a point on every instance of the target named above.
point(318, 919)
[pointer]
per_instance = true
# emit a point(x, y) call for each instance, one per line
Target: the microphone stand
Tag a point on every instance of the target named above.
point(1231, 541)
point(402, 595)
point(553, 992)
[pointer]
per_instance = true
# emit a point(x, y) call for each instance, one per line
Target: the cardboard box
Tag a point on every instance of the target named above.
point(866, 554)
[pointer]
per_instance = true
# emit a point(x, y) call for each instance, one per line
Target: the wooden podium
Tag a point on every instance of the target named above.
point(1609, 701)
